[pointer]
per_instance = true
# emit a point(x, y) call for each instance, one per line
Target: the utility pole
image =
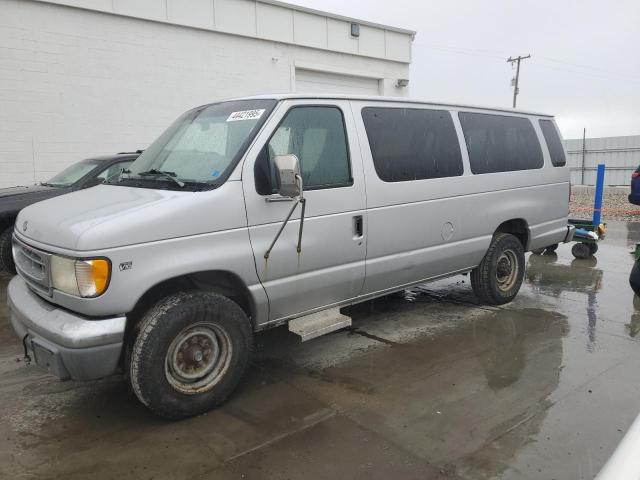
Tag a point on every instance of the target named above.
point(515, 80)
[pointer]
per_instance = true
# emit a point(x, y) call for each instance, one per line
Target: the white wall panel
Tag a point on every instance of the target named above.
point(339, 36)
point(270, 19)
point(310, 30)
point(195, 13)
point(326, 82)
point(372, 42)
point(398, 46)
point(151, 9)
point(275, 23)
point(77, 83)
point(236, 16)
point(105, 5)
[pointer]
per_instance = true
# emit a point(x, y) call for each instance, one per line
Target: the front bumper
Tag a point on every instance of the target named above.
point(68, 345)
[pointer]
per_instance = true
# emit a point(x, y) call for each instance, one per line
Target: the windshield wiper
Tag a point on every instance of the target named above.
point(162, 173)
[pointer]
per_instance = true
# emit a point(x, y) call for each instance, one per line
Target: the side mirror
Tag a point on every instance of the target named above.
point(288, 175)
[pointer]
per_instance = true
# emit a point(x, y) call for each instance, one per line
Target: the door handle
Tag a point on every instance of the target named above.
point(358, 229)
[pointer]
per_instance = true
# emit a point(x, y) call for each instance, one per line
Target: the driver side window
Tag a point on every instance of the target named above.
point(316, 135)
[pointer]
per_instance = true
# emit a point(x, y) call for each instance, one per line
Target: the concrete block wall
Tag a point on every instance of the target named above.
point(76, 82)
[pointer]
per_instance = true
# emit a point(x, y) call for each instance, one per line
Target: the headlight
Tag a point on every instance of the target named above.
point(83, 278)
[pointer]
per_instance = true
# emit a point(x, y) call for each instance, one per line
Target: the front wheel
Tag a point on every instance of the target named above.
point(190, 353)
point(498, 278)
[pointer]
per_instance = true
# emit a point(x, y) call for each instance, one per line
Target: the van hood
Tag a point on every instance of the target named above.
point(108, 216)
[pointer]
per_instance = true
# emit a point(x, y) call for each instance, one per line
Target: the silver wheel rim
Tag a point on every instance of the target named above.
point(198, 358)
point(507, 270)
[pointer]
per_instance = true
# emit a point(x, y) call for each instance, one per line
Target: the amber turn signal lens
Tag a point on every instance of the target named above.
point(92, 276)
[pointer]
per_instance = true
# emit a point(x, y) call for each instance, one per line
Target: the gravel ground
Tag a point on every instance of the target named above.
point(615, 205)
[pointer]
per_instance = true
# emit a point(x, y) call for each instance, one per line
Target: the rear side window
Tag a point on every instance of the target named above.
point(498, 143)
point(412, 144)
point(554, 144)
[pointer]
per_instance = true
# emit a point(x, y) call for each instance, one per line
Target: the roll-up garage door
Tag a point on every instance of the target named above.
point(310, 81)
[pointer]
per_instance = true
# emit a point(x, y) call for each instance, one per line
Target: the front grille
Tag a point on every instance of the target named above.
point(32, 265)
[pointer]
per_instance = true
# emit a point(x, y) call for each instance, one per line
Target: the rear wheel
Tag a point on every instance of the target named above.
point(6, 257)
point(593, 248)
point(498, 278)
point(190, 354)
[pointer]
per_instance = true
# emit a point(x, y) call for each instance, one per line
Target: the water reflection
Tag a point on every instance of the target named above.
point(633, 327)
point(501, 338)
point(551, 278)
point(467, 397)
point(633, 233)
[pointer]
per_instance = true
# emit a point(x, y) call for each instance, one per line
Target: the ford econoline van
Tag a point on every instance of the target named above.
point(257, 212)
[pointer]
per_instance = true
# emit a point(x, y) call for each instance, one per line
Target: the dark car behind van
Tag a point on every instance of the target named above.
point(84, 174)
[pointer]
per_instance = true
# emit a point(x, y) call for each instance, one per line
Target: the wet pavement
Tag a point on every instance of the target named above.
point(425, 385)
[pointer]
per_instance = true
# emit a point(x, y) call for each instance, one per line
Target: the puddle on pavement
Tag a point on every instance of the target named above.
point(447, 397)
point(467, 399)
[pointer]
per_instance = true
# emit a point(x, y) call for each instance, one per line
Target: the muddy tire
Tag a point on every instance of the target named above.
point(498, 278)
point(6, 257)
point(581, 250)
point(593, 248)
point(190, 353)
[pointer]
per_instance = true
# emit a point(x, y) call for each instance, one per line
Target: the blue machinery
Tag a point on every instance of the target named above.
point(588, 233)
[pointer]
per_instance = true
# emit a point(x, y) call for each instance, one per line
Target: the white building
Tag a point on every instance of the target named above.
point(86, 77)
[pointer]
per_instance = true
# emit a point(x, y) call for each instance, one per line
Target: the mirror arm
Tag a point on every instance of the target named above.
point(302, 201)
point(284, 224)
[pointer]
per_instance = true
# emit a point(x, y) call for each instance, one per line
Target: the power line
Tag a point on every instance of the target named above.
point(517, 78)
point(560, 64)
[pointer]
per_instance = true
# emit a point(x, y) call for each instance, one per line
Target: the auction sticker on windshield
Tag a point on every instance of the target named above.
point(246, 115)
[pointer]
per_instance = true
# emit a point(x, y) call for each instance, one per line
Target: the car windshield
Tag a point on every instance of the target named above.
point(72, 174)
point(200, 147)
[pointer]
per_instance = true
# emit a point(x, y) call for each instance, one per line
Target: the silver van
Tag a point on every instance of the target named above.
point(263, 211)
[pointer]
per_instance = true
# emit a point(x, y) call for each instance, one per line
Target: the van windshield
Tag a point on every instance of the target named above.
point(201, 148)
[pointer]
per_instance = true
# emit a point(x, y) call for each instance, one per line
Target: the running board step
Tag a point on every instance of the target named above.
point(318, 324)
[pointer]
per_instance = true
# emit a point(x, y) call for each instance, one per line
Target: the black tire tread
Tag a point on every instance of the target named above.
point(581, 251)
point(197, 301)
point(481, 280)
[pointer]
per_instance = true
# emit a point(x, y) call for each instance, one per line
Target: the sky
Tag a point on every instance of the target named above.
point(584, 66)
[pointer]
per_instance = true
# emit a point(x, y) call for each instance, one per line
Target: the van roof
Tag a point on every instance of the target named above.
point(380, 98)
